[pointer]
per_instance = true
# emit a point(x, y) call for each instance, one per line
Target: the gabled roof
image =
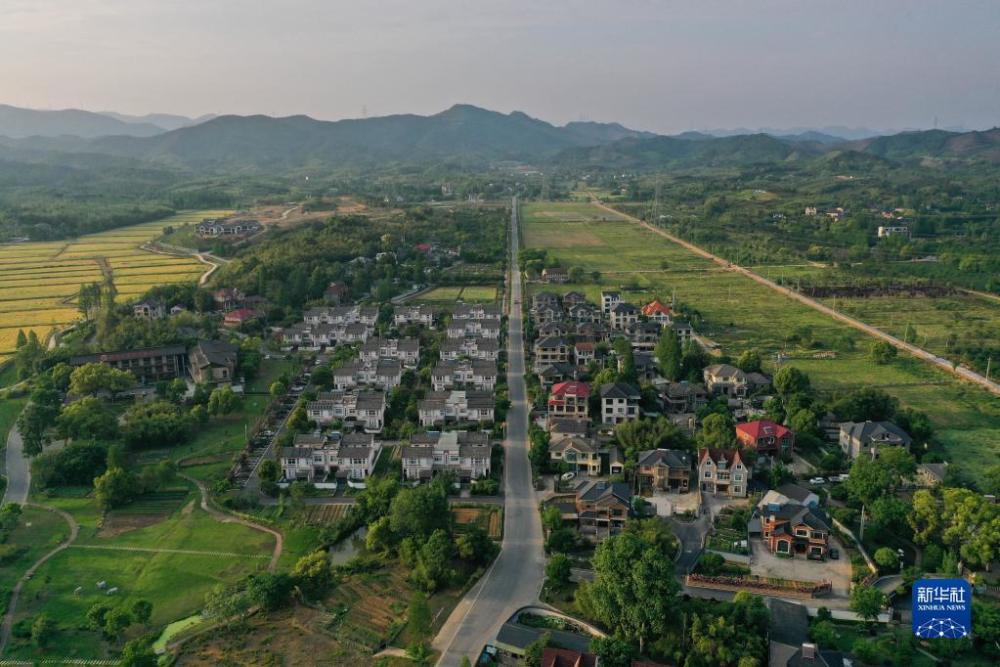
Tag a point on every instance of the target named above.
point(599, 490)
point(716, 454)
point(620, 390)
point(572, 388)
point(794, 492)
point(763, 428)
point(725, 371)
point(876, 431)
point(655, 307)
point(624, 308)
point(551, 342)
point(673, 458)
point(574, 442)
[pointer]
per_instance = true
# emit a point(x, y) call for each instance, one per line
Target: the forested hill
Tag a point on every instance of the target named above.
point(462, 133)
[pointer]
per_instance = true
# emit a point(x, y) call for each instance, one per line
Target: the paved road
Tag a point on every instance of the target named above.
point(17, 470)
point(690, 534)
point(515, 579)
point(942, 363)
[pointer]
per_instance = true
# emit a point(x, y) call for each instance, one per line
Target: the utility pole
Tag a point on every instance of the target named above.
point(989, 361)
point(861, 532)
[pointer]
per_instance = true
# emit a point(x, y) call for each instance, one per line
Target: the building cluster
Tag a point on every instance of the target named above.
point(207, 361)
point(327, 326)
point(234, 227)
point(334, 456)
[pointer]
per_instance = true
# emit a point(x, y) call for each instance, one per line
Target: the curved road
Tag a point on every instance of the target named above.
point(919, 352)
point(515, 578)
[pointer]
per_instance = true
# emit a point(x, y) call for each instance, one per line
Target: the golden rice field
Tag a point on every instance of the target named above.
point(39, 282)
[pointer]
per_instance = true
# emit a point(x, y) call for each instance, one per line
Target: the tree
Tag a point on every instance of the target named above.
point(803, 421)
point(551, 518)
point(626, 360)
point(887, 559)
point(116, 487)
point(749, 361)
point(433, 568)
point(76, 464)
point(533, 652)
point(557, 571)
point(141, 611)
point(222, 401)
point(539, 451)
point(881, 352)
point(269, 471)
point(867, 602)
point(419, 512)
point(138, 653)
point(312, 574)
point(790, 380)
point(95, 377)
point(96, 615)
point(668, 355)
point(866, 403)
point(634, 589)
point(298, 421)
point(269, 590)
point(961, 520)
point(872, 478)
point(115, 622)
point(641, 434)
point(42, 630)
point(612, 651)
point(156, 424)
point(322, 377)
point(562, 540)
point(278, 388)
point(475, 545)
point(717, 430)
point(88, 418)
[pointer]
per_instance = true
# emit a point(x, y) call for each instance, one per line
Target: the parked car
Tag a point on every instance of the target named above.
point(817, 480)
point(566, 476)
point(834, 554)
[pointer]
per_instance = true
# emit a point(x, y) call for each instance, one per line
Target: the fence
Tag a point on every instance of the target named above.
point(776, 587)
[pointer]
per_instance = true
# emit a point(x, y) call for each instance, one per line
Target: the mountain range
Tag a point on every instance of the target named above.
point(461, 135)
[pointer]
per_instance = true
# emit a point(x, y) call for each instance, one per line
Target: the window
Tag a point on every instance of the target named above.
point(737, 478)
point(800, 532)
point(737, 489)
point(783, 547)
point(708, 473)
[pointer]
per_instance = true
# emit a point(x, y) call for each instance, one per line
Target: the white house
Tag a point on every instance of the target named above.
point(465, 453)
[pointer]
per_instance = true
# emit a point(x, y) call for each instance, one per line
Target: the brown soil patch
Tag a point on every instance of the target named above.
point(117, 524)
point(490, 520)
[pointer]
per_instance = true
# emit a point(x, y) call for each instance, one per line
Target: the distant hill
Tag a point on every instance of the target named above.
point(164, 121)
point(973, 145)
point(690, 151)
point(18, 123)
point(463, 132)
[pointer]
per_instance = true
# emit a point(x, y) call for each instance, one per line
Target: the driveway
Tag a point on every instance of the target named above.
point(515, 578)
point(668, 504)
point(799, 568)
point(691, 534)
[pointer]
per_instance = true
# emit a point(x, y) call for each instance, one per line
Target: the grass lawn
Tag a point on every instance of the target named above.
point(10, 409)
point(174, 581)
point(38, 532)
point(740, 314)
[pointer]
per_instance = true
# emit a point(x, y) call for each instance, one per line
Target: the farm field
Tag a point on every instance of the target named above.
point(739, 314)
point(488, 517)
point(39, 281)
point(144, 550)
point(464, 293)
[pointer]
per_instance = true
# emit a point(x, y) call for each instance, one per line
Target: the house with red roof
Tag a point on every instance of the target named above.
point(236, 318)
point(569, 399)
point(766, 437)
point(657, 311)
point(722, 472)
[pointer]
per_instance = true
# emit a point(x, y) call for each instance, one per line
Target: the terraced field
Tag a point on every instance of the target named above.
point(39, 282)
point(738, 314)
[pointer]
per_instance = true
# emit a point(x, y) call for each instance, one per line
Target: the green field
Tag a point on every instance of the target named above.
point(145, 551)
point(465, 293)
point(39, 281)
point(739, 314)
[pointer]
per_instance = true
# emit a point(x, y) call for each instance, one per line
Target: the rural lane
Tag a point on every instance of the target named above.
point(942, 363)
point(515, 578)
point(17, 469)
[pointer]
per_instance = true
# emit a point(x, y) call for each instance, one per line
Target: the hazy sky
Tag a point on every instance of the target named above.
point(659, 65)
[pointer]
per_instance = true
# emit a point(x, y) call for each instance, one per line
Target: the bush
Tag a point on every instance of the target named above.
point(485, 487)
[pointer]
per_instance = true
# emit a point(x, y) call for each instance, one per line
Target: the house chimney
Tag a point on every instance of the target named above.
point(808, 651)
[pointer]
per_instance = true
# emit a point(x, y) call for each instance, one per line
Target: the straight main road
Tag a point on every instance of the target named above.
point(516, 577)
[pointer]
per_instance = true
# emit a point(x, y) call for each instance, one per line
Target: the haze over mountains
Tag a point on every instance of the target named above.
point(460, 134)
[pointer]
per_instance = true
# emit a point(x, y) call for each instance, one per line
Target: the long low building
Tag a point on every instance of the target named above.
point(209, 361)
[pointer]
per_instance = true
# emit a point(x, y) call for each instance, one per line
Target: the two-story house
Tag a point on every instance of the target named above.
point(441, 407)
point(382, 373)
point(362, 408)
point(608, 301)
point(464, 453)
point(211, 361)
point(475, 374)
point(664, 470)
point(722, 472)
point(619, 403)
point(657, 311)
point(684, 397)
point(407, 350)
point(580, 453)
point(315, 458)
point(725, 380)
point(766, 437)
point(623, 316)
point(453, 349)
point(569, 399)
point(792, 529)
point(868, 437)
point(413, 314)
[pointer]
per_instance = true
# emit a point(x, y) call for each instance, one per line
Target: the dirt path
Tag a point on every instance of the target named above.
point(154, 550)
point(942, 363)
point(8, 619)
point(225, 517)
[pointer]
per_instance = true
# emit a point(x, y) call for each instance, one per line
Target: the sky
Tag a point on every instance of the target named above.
point(659, 65)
